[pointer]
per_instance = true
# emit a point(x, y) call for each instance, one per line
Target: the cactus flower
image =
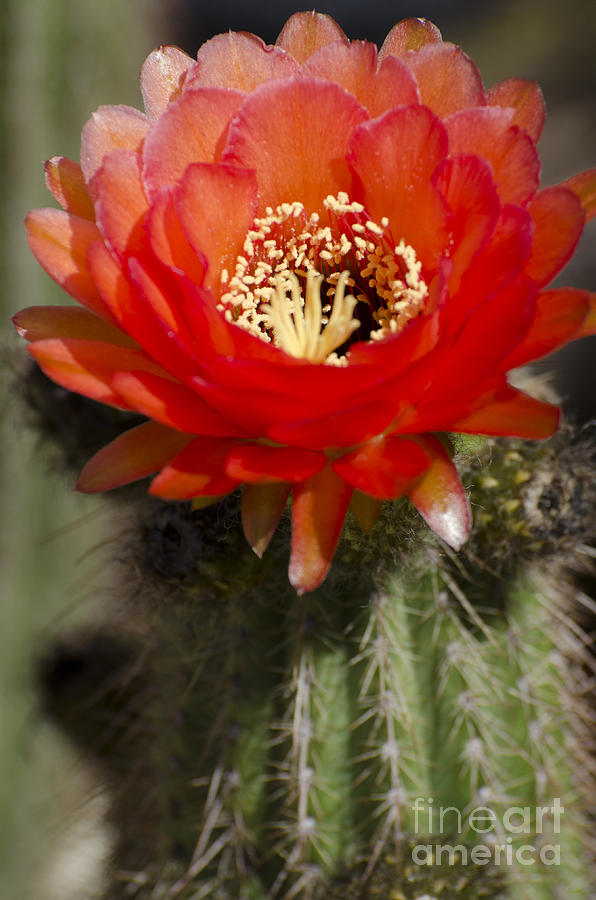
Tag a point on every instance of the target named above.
point(305, 263)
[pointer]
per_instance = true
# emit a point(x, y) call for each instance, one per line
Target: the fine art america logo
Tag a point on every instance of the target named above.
point(518, 835)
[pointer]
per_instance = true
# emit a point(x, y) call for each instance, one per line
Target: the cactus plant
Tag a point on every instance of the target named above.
point(365, 739)
point(395, 719)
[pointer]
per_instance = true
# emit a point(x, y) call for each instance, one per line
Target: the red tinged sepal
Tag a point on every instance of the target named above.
point(366, 510)
point(139, 452)
point(197, 470)
point(440, 497)
point(262, 506)
point(260, 463)
point(383, 467)
point(319, 507)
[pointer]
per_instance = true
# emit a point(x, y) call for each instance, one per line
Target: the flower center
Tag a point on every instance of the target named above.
point(289, 260)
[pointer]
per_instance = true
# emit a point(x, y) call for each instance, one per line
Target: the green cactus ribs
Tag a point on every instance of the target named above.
point(404, 732)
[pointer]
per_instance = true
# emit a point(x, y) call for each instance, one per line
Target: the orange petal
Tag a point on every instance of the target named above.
point(216, 204)
point(197, 470)
point(354, 67)
point(558, 221)
point(447, 79)
point(87, 367)
point(319, 508)
point(487, 132)
point(584, 187)
point(241, 61)
point(366, 510)
point(170, 403)
point(160, 78)
point(305, 32)
point(40, 322)
point(439, 496)
point(588, 326)
point(59, 242)
point(395, 157)
point(64, 178)
point(523, 96)
point(259, 463)
point(110, 128)
point(273, 134)
point(410, 34)
point(262, 506)
point(514, 414)
point(139, 452)
point(120, 203)
point(383, 467)
point(192, 129)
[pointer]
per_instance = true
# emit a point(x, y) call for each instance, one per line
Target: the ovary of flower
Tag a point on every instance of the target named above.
point(296, 323)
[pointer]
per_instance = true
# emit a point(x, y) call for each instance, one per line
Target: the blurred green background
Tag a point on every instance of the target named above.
point(61, 59)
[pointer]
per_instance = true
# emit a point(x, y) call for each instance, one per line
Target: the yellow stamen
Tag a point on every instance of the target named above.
point(296, 323)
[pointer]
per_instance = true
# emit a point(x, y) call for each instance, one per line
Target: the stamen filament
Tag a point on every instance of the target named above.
point(297, 324)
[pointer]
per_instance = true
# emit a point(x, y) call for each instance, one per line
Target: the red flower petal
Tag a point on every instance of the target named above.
point(166, 332)
point(262, 506)
point(110, 128)
point(447, 79)
point(273, 134)
point(497, 264)
point(559, 221)
point(439, 496)
point(216, 204)
point(37, 323)
point(168, 238)
point(161, 76)
point(395, 156)
point(557, 317)
point(319, 508)
point(193, 129)
point(60, 241)
point(88, 367)
point(141, 313)
point(525, 97)
point(512, 413)
point(64, 178)
point(467, 185)
point(361, 420)
point(488, 133)
point(305, 32)
point(120, 203)
point(139, 452)
point(383, 467)
point(241, 61)
point(462, 366)
point(171, 404)
point(354, 67)
point(259, 463)
point(195, 471)
point(410, 34)
point(584, 187)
